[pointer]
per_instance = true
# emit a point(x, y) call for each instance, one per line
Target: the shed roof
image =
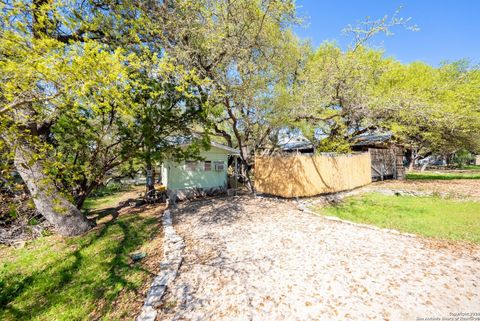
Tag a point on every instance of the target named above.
point(297, 145)
point(367, 140)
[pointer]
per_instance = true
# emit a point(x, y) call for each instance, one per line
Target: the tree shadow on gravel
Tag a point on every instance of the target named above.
point(213, 211)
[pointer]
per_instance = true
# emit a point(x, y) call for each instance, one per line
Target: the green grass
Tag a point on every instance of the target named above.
point(93, 203)
point(110, 189)
point(54, 278)
point(428, 216)
point(109, 197)
point(441, 176)
point(471, 167)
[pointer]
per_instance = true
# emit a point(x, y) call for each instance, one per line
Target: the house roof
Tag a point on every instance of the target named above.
point(230, 150)
point(367, 140)
point(297, 145)
point(186, 140)
point(364, 140)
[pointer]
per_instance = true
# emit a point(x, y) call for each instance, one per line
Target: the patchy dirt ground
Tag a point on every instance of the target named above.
point(458, 188)
point(262, 259)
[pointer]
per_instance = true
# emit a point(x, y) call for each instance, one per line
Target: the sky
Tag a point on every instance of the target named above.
point(449, 30)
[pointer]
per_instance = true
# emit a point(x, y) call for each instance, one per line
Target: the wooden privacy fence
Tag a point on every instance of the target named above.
point(297, 176)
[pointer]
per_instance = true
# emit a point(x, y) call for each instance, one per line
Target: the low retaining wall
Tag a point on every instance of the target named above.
point(300, 176)
point(173, 246)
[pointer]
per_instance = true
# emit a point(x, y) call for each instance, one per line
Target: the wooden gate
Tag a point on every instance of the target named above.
point(387, 163)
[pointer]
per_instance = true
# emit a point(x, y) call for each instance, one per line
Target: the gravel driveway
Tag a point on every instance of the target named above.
point(262, 259)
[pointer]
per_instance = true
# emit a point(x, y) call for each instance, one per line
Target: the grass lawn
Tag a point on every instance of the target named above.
point(471, 167)
point(442, 176)
point(428, 216)
point(81, 278)
point(94, 203)
point(111, 197)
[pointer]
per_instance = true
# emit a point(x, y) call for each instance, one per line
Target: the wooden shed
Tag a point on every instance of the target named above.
point(386, 155)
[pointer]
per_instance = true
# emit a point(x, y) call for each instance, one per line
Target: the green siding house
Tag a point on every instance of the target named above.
point(192, 178)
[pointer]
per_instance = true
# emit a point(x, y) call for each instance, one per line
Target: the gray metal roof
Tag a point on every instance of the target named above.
point(297, 145)
point(372, 139)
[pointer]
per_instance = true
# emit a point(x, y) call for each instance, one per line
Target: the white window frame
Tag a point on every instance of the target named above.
point(191, 166)
point(215, 163)
point(205, 166)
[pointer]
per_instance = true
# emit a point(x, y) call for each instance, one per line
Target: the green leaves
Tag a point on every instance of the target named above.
point(94, 85)
point(336, 94)
point(71, 87)
point(431, 110)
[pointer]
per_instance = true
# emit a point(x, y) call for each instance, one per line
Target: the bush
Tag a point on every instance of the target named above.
point(19, 221)
point(463, 158)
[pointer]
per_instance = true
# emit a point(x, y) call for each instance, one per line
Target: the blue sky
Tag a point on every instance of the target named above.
point(449, 30)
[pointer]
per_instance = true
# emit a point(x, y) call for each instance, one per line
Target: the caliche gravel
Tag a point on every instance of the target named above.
point(252, 258)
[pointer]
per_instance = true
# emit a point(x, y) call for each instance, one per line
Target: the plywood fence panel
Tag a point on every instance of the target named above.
point(298, 176)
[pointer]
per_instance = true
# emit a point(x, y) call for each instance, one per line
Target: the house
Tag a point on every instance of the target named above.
point(186, 179)
point(298, 145)
point(386, 155)
point(477, 160)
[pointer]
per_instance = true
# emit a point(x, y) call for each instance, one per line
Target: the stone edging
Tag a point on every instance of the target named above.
point(172, 247)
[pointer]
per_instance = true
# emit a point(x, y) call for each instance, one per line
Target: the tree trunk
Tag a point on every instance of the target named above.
point(150, 175)
point(245, 173)
point(411, 166)
point(424, 167)
point(409, 157)
point(413, 158)
point(81, 200)
point(49, 201)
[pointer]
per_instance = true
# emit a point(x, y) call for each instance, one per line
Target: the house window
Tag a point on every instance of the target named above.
point(219, 166)
point(208, 166)
point(191, 166)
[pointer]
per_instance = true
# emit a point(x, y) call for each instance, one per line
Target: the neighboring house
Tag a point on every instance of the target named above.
point(477, 160)
point(191, 178)
point(298, 146)
point(438, 160)
point(387, 156)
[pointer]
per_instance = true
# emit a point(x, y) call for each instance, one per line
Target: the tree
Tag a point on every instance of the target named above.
point(45, 77)
point(169, 111)
point(335, 94)
point(247, 53)
point(431, 110)
point(343, 94)
point(70, 97)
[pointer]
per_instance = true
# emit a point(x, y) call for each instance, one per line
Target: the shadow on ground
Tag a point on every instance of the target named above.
point(210, 211)
point(55, 278)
